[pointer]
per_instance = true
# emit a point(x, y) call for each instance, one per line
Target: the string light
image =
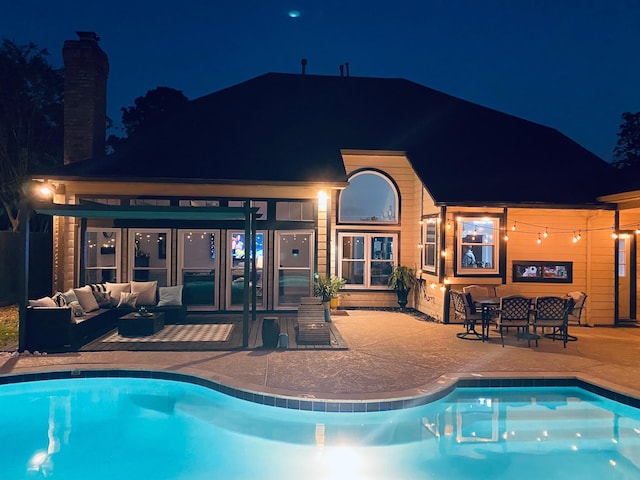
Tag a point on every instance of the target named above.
point(543, 231)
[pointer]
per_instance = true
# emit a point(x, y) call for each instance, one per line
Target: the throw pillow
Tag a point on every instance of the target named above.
point(70, 296)
point(170, 296)
point(98, 287)
point(146, 292)
point(128, 300)
point(103, 299)
point(59, 299)
point(86, 298)
point(115, 289)
point(42, 302)
point(76, 308)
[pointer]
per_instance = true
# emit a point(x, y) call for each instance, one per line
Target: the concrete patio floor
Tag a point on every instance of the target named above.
point(390, 355)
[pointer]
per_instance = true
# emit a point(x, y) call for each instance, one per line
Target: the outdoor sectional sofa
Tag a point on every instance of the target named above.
point(67, 321)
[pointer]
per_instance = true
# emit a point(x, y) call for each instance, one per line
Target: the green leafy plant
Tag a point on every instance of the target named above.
point(402, 278)
point(327, 287)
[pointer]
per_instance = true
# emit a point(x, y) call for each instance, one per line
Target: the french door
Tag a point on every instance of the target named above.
point(238, 251)
point(198, 268)
point(293, 267)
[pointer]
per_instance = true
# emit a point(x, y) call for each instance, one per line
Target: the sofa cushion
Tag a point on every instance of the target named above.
point(86, 298)
point(76, 309)
point(146, 292)
point(59, 299)
point(104, 299)
point(70, 296)
point(43, 302)
point(115, 289)
point(98, 287)
point(170, 296)
point(128, 300)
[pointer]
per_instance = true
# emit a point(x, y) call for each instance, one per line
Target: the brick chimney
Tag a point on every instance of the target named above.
point(86, 68)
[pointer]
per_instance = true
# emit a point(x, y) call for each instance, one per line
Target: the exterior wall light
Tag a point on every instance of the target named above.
point(322, 200)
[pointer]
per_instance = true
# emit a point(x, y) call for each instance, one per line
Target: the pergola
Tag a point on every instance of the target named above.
point(120, 212)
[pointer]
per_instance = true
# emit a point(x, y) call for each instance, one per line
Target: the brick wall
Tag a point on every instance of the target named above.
point(85, 102)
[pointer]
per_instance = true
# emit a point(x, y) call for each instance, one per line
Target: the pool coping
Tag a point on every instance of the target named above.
point(421, 396)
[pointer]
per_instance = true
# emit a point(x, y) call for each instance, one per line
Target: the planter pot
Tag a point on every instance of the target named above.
point(327, 311)
point(403, 295)
point(335, 301)
point(270, 333)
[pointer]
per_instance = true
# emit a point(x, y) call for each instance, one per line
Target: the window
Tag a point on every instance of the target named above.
point(294, 211)
point(429, 243)
point(369, 198)
point(366, 259)
point(261, 205)
point(150, 202)
point(477, 245)
point(101, 255)
point(148, 255)
point(199, 203)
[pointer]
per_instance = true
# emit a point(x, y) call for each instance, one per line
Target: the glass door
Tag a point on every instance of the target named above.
point(198, 267)
point(627, 277)
point(239, 251)
point(148, 255)
point(101, 255)
point(294, 260)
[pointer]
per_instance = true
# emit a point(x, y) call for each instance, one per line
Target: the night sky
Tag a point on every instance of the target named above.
point(569, 64)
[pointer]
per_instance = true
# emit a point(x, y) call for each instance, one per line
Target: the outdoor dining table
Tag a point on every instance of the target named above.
point(486, 305)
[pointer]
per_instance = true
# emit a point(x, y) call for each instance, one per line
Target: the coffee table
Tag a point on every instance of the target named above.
point(136, 325)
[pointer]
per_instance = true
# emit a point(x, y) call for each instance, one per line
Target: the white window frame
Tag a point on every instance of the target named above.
point(372, 221)
point(493, 241)
point(115, 241)
point(131, 251)
point(367, 257)
point(429, 223)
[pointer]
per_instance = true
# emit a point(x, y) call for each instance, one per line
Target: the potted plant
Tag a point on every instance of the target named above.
point(401, 280)
point(327, 287)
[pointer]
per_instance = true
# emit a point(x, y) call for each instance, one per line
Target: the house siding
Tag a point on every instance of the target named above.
point(397, 167)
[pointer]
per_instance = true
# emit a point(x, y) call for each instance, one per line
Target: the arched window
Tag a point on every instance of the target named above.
point(369, 198)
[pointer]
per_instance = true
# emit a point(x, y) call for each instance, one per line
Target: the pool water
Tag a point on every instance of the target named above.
point(125, 428)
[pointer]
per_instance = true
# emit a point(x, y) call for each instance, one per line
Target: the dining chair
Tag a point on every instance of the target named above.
point(575, 312)
point(478, 291)
point(506, 290)
point(552, 312)
point(515, 311)
point(465, 312)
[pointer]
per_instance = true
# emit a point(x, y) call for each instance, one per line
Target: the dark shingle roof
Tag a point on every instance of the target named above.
point(291, 128)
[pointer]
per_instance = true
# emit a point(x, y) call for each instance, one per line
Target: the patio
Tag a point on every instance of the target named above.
point(389, 355)
point(203, 340)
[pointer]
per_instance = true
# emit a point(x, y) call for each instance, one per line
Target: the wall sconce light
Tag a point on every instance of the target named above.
point(322, 201)
point(45, 190)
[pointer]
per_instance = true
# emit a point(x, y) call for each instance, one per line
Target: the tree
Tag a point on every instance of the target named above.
point(147, 110)
point(31, 119)
point(626, 154)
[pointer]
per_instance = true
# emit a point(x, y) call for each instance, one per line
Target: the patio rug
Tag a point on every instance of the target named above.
point(218, 332)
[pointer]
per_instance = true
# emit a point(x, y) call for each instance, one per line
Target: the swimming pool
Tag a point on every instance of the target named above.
point(137, 428)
